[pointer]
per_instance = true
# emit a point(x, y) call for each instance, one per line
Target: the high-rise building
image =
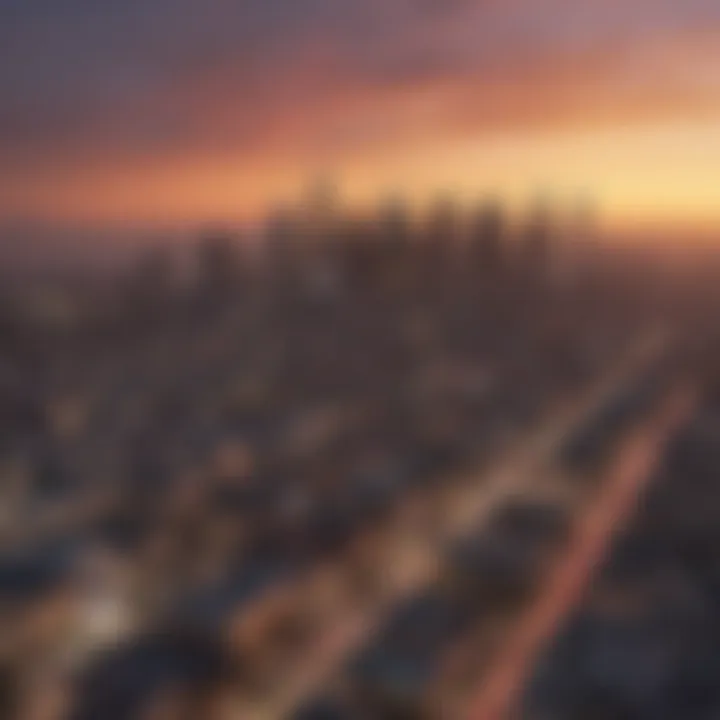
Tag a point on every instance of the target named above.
point(442, 223)
point(321, 212)
point(487, 237)
point(394, 221)
point(575, 254)
point(153, 277)
point(218, 263)
point(281, 236)
point(535, 242)
point(584, 228)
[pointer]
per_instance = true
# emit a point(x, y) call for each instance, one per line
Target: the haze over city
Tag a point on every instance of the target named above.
point(359, 360)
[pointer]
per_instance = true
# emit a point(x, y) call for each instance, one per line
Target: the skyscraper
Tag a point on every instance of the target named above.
point(535, 242)
point(218, 263)
point(486, 238)
point(321, 212)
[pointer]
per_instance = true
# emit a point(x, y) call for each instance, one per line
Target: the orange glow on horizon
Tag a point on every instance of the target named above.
point(639, 177)
point(642, 138)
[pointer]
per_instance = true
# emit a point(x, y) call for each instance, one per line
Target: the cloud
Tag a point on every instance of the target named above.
point(93, 84)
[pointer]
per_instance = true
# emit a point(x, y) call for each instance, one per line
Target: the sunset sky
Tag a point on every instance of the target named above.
point(188, 111)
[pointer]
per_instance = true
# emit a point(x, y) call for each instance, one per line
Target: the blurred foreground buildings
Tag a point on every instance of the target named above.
point(323, 478)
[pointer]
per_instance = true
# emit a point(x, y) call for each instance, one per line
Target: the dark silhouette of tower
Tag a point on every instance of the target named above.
point(151, 281)
point(218, 265)
point(394, 224)
point(584, 231)
point(321, 213)
point(281, 238)
point(487, 237)
point(442, 224)
point(535, 244)
point(440, 240)
point(393, 229)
